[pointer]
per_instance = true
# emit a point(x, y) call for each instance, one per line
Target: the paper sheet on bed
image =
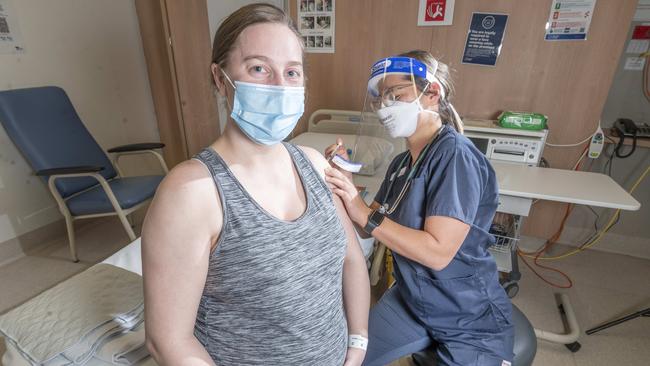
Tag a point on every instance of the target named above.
point(128, 257)
point(76, 318)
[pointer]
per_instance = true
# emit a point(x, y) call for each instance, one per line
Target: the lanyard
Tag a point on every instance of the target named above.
point(385, 207)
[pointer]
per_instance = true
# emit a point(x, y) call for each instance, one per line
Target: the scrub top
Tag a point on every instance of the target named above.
point(463, 301)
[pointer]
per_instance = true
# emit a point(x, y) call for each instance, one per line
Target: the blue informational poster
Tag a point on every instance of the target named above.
point(484, 39)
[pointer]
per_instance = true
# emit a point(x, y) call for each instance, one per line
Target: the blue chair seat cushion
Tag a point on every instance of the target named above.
point(129, 192)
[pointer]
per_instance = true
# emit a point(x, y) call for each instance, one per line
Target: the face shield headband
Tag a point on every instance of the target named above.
point(407, 66)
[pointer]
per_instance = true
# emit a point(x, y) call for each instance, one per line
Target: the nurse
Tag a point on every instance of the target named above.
point(433, 210)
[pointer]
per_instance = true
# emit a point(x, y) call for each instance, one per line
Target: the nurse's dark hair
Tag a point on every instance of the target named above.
point(230, 29)
point(443, 74)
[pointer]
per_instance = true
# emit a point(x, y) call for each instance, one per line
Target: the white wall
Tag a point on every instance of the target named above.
point(218, 10)
point(91, 48)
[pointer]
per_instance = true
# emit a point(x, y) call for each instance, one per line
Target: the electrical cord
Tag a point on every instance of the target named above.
point(593, 240)
point(552, 241)
point(549, 243)
point(596, 220)
point(575, 144)
point(614, 219)
point(582, 156)
point(619, 145)
point(607, 167)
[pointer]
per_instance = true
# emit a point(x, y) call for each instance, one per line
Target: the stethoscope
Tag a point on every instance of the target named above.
point(385, 208)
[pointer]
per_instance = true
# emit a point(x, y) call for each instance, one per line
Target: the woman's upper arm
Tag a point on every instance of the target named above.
point(183, 221)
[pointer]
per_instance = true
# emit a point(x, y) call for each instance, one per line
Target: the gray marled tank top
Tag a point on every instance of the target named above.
point(273, 293)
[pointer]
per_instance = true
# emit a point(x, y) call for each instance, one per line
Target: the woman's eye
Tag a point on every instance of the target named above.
point(258, 69)
point(293, 73)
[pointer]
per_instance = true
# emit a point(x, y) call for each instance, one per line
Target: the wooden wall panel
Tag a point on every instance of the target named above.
point(162, 80)
point(568, 81)
point(192, 48)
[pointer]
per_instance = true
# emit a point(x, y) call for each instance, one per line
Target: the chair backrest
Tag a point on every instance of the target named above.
point(47, 130)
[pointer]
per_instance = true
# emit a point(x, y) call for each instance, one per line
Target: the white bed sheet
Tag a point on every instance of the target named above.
point(128, 258)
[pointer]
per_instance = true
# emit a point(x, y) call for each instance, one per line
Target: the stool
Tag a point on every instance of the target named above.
point(525, 346)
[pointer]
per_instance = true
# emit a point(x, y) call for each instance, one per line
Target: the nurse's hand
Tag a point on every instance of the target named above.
point(338, 149)
point(343, 187)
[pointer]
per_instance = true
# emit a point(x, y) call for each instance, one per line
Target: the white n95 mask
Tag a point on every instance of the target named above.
point(401, 118)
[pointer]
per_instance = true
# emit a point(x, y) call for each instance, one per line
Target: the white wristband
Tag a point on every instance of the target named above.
point(357, 341)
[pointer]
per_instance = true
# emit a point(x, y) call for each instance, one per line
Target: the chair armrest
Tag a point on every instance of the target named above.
point(137, 147)
point(70, 170)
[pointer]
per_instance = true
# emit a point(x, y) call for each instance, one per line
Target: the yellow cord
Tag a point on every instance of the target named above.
point(601, 233)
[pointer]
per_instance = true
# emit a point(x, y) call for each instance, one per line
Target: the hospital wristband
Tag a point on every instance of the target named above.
point(357, 341)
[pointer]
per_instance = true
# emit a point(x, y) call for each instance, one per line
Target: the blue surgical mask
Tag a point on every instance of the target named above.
point(267, 113)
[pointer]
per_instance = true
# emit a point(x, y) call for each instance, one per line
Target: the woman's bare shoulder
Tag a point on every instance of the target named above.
point(188, 193)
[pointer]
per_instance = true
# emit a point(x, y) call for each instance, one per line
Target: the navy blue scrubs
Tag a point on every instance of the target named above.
point(462, 309)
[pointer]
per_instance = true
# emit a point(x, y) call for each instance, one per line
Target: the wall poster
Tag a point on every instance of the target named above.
point(316, 25)
point(484, 39)
point(569, 20)
point(436, 12)
point(10, 38)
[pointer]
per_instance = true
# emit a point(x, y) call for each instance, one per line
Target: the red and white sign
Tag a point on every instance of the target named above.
point(436, 12)
point(641, 32)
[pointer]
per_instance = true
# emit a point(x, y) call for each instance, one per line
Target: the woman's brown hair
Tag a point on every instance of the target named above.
point(235, 23)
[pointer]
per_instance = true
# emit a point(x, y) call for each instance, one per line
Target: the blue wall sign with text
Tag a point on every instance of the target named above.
point(484, 39)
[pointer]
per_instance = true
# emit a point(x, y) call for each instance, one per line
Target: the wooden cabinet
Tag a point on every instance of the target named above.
point(177, 46)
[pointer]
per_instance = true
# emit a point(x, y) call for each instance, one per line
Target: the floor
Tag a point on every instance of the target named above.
point(605, 286)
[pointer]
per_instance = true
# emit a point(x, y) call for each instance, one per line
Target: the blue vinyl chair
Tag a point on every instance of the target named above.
point(45, 127)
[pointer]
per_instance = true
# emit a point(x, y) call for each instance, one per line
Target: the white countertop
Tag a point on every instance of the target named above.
point(585, 188)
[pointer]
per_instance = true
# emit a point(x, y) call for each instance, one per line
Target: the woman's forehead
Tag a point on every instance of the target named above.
point(274, 42)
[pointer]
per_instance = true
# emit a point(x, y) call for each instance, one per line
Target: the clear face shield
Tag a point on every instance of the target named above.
point(390, 111)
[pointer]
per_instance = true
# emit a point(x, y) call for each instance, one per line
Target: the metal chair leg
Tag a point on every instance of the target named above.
point(69, 223)
point(126, 224)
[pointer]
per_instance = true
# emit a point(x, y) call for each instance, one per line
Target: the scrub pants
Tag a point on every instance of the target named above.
point(395, 333)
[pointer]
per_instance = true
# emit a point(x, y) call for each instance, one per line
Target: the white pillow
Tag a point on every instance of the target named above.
point(372, 152)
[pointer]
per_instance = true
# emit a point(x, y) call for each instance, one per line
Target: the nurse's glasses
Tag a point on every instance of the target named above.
point(389, 96)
